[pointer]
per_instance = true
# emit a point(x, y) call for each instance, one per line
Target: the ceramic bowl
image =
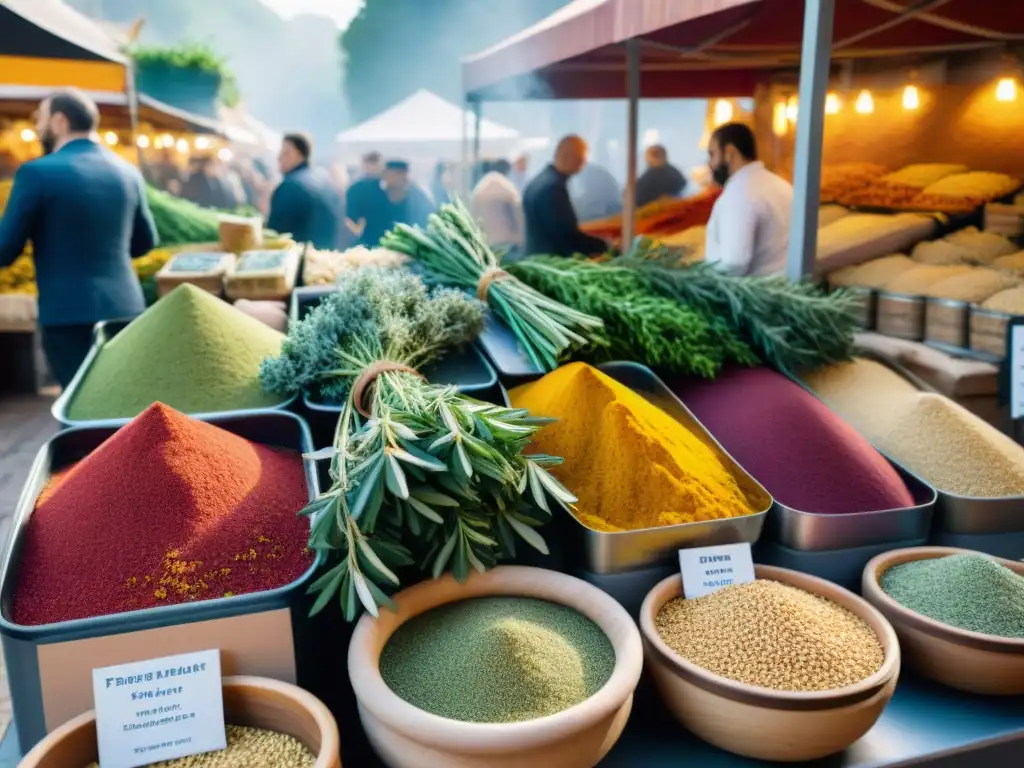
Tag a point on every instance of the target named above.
point(764, 723)
point(254, 701)
point(968, 661)
point(405, 736)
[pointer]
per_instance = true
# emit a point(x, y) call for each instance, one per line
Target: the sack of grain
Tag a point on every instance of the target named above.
point(874, 273)
point(973, 185)
point(983, 247)
point(976, 285)
point(1010, 301)
point(857, 238)
point(1013, 263)
point(917, 280)
point(940, 253)
point(921, 175)
point(829, 214)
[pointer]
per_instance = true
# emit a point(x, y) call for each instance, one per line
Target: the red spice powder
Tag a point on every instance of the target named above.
point(168, 510)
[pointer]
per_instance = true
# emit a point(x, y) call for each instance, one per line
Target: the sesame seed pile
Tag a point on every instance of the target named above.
point(772, 635)
point(248, 748)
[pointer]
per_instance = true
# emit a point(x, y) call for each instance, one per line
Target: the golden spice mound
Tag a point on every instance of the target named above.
point(631, 465)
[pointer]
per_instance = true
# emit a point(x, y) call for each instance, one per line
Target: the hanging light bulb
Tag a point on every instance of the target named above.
point(166, 140)
point(723, 112)
point(182, 146)
point(911, 97)
point(780, 124)
point(201, 142)
point(225, 154)
point(865, 104)
point(142, 141)
point(791, 109)
point(1006, 89)
point(110, 138)
point(832, 104)
point(27, 134)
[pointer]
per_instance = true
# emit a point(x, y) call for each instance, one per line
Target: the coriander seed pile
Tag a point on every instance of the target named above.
point(497, 659)
point(247, 748)
point(968, 591)
point(772, 635)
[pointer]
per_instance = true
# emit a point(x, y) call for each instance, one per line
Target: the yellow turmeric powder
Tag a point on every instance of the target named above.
point(631, 465)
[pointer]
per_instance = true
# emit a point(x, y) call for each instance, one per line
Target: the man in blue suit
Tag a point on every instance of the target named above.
point(84, 210)
point(305, 204)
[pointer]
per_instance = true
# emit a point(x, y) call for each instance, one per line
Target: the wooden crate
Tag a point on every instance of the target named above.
point(945, 321)
point(988, 331)
point(868, 306)
point(249, 279)
point(900, 315)
point(203, 270)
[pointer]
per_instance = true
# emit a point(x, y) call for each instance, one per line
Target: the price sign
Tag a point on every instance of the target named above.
point(1016, 363)
point(159, 709)
point(709, 569)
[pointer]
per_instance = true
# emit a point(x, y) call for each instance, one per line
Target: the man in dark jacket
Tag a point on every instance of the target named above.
point(85, 211)
point(364, 199)
point(304, 204)
point(551, 225)
point(661, 179)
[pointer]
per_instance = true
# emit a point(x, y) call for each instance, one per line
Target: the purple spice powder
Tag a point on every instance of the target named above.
point(804, 454)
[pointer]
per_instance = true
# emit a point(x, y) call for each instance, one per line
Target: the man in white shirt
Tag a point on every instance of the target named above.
point(748, 233)
point(497, 204)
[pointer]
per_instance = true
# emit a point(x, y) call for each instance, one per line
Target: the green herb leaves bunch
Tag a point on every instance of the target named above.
point(454, 251)
point(419, 474)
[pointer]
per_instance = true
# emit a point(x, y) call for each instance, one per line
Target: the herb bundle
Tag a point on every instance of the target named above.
point(455, 252)
point(420, 474)
point(641, 325)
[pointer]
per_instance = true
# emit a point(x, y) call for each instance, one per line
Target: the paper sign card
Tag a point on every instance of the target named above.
point(708, 569)
point(159, 709)
point(1017, 371)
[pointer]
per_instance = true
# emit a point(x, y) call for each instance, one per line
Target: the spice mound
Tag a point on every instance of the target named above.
point(629, 463)
point(804, 454)
point(968, 591)
point(497, 659)
point(167, 510)
point(190, 350)
point(247, 748)
point(772, 635)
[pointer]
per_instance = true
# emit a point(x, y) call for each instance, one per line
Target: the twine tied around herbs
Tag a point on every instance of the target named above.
point(364, 381)
point(490, 275)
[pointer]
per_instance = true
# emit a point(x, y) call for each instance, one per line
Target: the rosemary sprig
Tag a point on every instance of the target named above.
point(455, 252)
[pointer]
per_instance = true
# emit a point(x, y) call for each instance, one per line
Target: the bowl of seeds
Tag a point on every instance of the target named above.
point(515, 667)
point(270, 724)
point(959, 615)
point(788, 667)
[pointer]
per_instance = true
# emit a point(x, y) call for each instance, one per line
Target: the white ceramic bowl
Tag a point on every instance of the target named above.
point(969, 661)
point(764, 723)
point(405, 736)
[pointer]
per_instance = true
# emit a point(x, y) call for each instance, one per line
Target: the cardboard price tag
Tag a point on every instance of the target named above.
point(709, 569)
point(159, 709)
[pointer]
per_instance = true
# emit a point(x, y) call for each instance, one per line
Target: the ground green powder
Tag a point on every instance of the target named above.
point(497, 659)
point(190, 351)
point(972, 592)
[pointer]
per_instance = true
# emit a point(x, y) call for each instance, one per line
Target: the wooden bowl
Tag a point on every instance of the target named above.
point(254, 701)
point(764, 723)
point(405, 736)
point(968, 661)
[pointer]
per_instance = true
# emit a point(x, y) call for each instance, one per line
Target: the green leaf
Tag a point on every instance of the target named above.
point(328, 590)
point(504, 534)
point(364, 594)
point(368, 521)
point(424, 460)
point(349, 601)
point(555, 488)
point(528, 534)
point(444, 440)
point(315, 506)
point(462, 461)
point(444, 555)
point(460, 561)
point(435, 498)
point(425, 510)
point(396, 481)
point(367, 551)
point(326, 577)
point(537, 488)
point(365, 489)
point(475, 561)
point(415, 526)
point(321, 455)
point(479, 537)
point(481, 427)
point(378, 595)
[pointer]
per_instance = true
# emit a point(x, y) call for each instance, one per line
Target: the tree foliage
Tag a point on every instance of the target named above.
point(395, 47)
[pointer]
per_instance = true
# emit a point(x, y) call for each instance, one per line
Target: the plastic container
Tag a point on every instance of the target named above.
point(607, 553)
point(102, 333)
point(900, 315)
point(204, 270)
point(267, 275)
point(50, 666)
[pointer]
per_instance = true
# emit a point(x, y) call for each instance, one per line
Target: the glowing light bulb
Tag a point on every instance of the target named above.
point(201, 142)
point(166, 140)
point(27, 134)
point(832, 104)
point(651, 137)
point(911, 97)
point(780, 124)
point(791, 109)
point(181, 145)
point(723, 112)
point(1006, 89)
point(865, 104)
point(224, 154)
point(142, 142)
point(110, 137)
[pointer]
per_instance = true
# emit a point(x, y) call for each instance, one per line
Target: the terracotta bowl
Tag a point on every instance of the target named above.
point(764, 723)
point(968, 661)
point(254, 701)
point(405, 736)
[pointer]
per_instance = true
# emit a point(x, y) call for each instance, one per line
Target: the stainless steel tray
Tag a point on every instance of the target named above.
point(102, 333)
point(910, 326)
point(627, 550)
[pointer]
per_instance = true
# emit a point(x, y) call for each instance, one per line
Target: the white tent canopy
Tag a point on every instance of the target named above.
point(426, 122)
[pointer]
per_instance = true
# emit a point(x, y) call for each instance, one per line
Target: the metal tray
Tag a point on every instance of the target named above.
point(909, 327)
point(956, 338)
point(23, 644)
point(102, 333)
point(604, 553)
point(503, 349)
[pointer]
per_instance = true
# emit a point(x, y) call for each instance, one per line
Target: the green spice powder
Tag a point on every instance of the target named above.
point(969, 591)
point(497, 659)
point(190, 350)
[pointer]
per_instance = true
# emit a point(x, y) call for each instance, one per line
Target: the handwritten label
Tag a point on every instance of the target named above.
point(708, 569)
point(159, 709)
point(1016, 371)
point(196, 262)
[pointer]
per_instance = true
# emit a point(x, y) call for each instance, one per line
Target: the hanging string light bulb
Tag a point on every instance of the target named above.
point(723, 112)
point(791, 109)
point(1006, 89)
point(911, 97)
point(832, 103)
point(865, 104)
point(780, 123)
